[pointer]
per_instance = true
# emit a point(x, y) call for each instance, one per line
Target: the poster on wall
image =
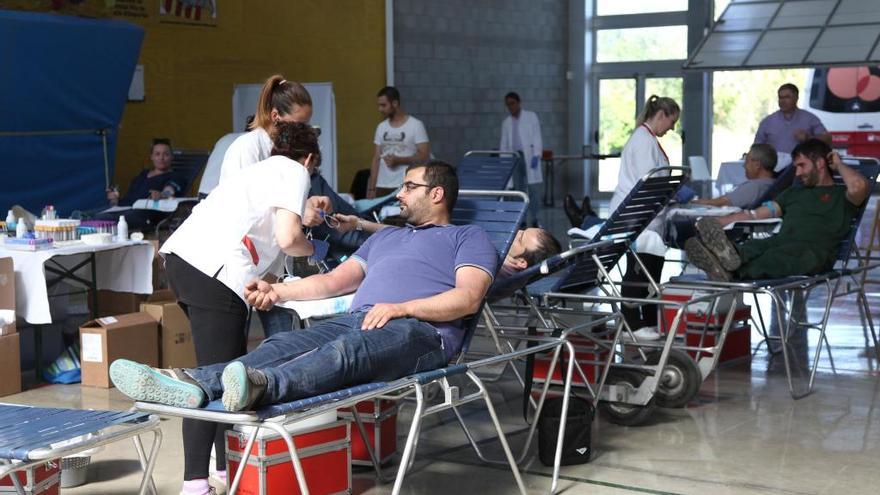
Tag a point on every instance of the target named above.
point(88, 8)
point(131, 9)
point(192, 12)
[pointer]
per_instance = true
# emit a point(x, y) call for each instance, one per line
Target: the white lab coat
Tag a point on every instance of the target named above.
point(641, 154)
point(530, 137)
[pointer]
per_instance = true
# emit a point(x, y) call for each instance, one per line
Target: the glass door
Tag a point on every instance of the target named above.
point(618, 103)
point(617, 119)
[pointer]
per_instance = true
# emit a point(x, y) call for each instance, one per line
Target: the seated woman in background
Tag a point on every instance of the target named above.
point(159, 182)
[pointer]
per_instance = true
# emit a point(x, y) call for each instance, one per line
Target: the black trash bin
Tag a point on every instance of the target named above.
point(576, 445)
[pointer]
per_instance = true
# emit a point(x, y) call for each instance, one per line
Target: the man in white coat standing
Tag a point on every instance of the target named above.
point(521, 132)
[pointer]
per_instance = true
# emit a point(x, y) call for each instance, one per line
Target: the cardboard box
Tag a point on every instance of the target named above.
point(132, 336)
point(10, 364)
point(7, 292)
point(324, 451)
point(176, 349)
point(112, 303)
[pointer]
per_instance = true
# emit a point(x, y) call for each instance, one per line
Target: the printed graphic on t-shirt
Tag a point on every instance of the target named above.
point(393, 142)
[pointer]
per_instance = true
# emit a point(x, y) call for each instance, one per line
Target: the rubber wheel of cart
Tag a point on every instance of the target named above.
point(621, 413)
point(680, 379)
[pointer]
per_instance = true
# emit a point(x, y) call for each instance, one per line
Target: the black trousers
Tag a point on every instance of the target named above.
point(217, 316)
point(635, 284)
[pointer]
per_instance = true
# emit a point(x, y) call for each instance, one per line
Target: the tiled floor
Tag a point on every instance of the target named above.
point(743, 435)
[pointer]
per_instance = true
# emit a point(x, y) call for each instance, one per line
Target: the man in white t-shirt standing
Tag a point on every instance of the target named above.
point(400, 141)
point(521, 132)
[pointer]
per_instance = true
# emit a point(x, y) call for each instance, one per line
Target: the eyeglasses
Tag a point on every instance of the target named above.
point(408, 186)
point(330, 220)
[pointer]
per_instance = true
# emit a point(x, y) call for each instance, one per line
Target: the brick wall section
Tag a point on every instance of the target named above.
point(454, 60)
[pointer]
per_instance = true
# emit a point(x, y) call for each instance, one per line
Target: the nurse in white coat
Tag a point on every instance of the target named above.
point(641, 154)
point(521, 131)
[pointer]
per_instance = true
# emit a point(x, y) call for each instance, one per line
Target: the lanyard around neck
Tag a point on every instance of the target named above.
point(651, 131)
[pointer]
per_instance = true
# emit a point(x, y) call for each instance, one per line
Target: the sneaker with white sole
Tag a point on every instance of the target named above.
point(242, 386)
point(171, 387)
point(642, 334)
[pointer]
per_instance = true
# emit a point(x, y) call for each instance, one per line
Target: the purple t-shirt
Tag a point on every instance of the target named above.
point(778, 131)
point(408, 263)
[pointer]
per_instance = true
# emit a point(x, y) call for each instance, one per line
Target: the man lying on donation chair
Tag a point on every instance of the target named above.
point(413, 287)
point(815, 218)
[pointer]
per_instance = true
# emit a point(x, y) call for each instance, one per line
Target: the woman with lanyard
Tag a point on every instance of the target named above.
point(641, 154)
point(237, 234)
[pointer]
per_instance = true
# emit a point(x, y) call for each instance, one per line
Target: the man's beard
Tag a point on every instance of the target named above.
point(811, 179)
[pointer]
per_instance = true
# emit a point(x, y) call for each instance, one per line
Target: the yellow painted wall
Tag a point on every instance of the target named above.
point(189, 72)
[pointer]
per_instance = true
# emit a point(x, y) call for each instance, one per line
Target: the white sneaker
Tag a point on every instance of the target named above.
point(642, 334)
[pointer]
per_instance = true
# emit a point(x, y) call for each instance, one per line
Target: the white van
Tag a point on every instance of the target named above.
point(844, 98)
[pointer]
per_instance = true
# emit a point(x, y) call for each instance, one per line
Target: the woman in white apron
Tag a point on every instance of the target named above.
point(642, 153)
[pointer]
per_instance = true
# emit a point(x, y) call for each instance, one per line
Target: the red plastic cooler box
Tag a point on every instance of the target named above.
point(379, 417)
point(324, 452)
point(42, 479)
point(587, 354)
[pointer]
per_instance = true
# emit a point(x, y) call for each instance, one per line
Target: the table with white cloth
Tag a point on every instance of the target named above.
point(680, 221)
point(119, 266)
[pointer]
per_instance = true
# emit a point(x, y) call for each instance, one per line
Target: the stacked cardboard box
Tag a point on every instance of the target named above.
point(176, 348)
point(10, 358)
point(132, 336)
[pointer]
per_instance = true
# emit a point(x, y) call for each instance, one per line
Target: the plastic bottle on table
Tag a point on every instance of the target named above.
point(20, 228)
point(10, 221)
point(122, 229)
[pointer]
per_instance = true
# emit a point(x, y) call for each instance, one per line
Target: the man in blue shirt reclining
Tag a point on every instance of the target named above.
point(413, 286)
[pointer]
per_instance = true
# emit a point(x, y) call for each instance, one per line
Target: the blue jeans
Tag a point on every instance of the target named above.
point(276, 320)
point(332, 355)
